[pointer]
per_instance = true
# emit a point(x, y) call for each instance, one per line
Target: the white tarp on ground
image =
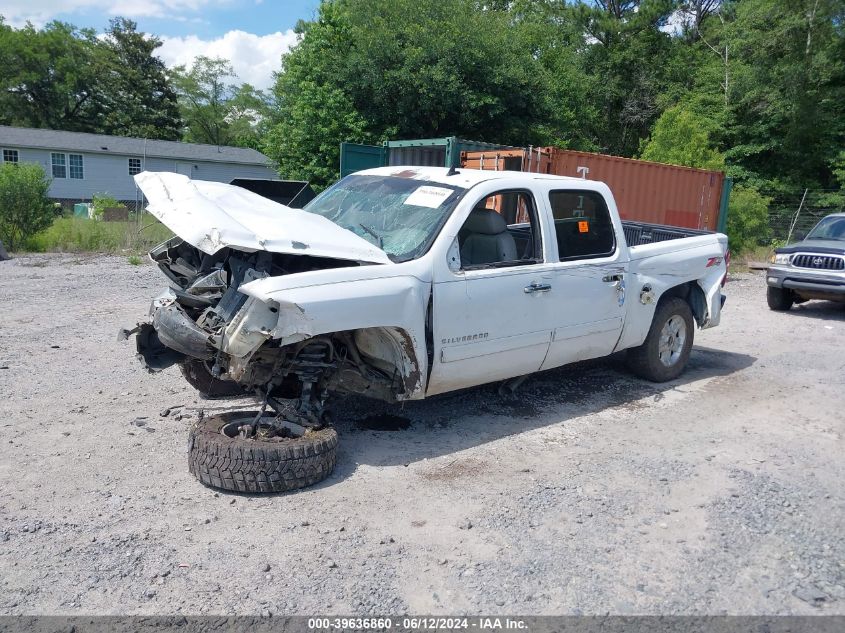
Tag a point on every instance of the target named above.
point(214, 215)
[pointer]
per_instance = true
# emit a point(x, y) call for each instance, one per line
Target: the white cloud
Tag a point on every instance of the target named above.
point(254, 57)
point(39, 12)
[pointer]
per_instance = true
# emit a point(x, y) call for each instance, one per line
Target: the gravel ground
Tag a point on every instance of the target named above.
point(587, 492)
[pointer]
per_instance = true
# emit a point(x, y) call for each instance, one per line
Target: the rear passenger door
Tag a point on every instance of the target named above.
point(589, 276)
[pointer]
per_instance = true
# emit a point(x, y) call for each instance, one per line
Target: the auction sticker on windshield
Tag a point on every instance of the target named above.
point(427, 196)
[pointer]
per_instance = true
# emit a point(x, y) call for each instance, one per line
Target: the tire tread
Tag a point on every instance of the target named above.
point(255, 466)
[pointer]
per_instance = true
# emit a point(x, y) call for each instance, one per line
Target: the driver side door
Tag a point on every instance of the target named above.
point(484, 312)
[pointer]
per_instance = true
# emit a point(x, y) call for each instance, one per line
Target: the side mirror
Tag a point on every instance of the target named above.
point(799, 235)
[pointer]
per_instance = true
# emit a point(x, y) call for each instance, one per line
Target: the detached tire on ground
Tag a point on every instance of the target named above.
point(665, 351)
point(198, 375)
point(780, 299)
point(236, 464)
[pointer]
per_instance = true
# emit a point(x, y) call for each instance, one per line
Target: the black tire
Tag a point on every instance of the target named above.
point(252, 465)
point(645, 360)
point(780, 299)
point(198, 375)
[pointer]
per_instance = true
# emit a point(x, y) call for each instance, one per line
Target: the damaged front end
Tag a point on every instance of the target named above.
point(204, 321)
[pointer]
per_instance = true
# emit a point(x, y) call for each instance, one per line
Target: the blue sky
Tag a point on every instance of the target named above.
point(251, 33)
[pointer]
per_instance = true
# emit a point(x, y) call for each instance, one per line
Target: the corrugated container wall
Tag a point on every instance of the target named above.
point(644, 191)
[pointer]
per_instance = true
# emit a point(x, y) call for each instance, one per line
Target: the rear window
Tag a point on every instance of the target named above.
point(582, 225)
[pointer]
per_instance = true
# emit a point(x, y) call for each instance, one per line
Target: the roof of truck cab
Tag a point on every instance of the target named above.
point(462, 177)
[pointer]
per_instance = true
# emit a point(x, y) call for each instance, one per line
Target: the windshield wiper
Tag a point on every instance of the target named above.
point(373, 233)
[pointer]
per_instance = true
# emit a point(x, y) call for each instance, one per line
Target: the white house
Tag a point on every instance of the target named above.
point(83, 164)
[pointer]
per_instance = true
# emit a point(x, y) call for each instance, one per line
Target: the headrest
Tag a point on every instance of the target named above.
point(486, 222)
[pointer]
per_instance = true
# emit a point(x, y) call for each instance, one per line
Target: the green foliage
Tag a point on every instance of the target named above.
point(24, 206)
point(134, 260)
point(74, 235)
point(50, 77)
point(137, 98)
point(680, 137)
point(103, 201)
point(215, 111)
point(787, 85)
point(366, 70)
point(64, 78)
point(748, 215)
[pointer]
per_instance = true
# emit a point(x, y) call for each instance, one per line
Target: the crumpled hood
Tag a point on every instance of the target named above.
point(214, 215)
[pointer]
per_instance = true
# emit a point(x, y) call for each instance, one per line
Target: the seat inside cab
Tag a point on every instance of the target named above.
point(502, 229)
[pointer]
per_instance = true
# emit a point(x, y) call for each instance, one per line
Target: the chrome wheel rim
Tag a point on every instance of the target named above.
point(673, 336)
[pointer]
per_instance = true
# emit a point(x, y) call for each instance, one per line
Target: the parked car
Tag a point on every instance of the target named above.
point(401, 283)
point(813, 268)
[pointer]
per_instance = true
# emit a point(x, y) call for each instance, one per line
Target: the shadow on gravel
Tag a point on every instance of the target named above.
point(380, 434)
point(825, 310)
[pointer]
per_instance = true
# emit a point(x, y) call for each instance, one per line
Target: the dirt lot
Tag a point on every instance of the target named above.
point(588, 492)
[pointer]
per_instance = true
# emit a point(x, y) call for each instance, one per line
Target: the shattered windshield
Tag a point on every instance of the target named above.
point(830, 228)
point(402, 216)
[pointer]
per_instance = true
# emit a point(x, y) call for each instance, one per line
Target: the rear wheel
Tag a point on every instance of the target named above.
point(274, 459)
point(665, 351)
point(780, 299)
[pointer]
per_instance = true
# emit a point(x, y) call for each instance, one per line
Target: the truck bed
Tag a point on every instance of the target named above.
point(640, 233)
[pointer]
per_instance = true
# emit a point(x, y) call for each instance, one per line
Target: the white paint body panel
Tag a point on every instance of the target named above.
point(213, 215)
point(484, 326)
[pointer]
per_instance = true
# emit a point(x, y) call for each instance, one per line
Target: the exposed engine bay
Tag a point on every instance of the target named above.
point(205, 322)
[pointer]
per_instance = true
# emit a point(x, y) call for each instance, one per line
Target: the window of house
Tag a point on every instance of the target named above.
point(583, 227)
point(134, 166)
point(59, 165)
point(75, 164)
point(10, 156)
point(501, 230)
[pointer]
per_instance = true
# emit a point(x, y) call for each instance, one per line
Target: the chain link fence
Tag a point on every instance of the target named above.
point(798, 211)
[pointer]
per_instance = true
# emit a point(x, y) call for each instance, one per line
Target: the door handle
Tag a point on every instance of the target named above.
point(535, 287)
point(612, 278)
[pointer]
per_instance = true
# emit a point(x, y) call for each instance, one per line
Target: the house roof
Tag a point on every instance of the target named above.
point(126, 146)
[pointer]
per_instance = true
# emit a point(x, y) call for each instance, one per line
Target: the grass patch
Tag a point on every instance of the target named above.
point(80, 235)
point(134, 260)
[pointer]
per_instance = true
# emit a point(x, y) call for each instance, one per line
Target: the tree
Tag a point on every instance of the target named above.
point(373, 69)
point(630, 62)
point(64, 78)
point(785, 119)
point(679, 137)
point(137, 98)
point(215, 111)
point(50, 77)
point(25, 208)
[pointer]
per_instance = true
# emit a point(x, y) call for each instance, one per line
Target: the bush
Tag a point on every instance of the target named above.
point(748, 220)
point(25, 208)
point(103, 201)
point(680, 137)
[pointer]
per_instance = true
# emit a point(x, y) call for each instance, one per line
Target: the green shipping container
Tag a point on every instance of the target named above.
point(433, 152)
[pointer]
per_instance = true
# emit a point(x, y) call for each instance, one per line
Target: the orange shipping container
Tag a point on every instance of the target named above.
point(644, 191)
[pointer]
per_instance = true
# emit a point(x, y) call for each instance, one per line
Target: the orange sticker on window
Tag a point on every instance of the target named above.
point(583, 227)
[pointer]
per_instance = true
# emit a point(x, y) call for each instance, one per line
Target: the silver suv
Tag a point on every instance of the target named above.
point(813, 268)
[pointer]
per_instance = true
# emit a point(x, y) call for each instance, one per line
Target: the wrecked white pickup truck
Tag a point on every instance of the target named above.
point(401, 283)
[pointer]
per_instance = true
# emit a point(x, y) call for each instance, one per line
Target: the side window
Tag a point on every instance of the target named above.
point(10, 156)
point(59, 167)
point(134, 166)
point(501, 230)
point(76, 167)
point(582, 225)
